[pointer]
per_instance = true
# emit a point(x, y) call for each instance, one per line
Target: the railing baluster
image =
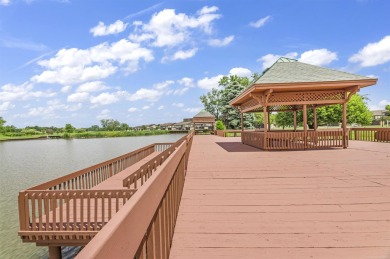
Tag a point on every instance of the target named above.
point(33, 213)
point(61, 211)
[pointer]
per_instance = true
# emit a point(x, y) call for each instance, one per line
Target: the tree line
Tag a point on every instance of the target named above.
point(107, 128)
point(217, 103)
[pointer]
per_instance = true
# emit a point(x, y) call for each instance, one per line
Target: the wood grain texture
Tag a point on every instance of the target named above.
point(241, 202)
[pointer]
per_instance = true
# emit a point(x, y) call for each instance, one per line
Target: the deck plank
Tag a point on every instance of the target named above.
point(240, 202)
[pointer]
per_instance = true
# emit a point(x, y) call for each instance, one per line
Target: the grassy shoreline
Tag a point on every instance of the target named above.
point(87, 134)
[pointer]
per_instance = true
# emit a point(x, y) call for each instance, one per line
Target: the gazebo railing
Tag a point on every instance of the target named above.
point(289, 140)
point(370, 134)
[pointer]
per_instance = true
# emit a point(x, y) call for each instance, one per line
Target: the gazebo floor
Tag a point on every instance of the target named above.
point(241, 202)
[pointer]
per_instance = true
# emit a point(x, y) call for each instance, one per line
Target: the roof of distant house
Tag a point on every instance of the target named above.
point(379, 112)
point(203, 114)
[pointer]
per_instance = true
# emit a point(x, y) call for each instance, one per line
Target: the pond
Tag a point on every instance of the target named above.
point(26, 163)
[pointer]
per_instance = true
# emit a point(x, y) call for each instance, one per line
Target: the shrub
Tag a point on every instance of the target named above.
point(220, 125)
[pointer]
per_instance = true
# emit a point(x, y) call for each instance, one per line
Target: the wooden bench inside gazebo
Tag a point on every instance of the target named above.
point(290, 86)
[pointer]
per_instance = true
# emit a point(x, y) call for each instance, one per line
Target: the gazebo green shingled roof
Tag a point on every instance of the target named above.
point(286, 70)
point(203, 114)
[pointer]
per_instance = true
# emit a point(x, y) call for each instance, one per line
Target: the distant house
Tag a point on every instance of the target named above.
point(167, 126)
point(185, 125)
point(378, 114)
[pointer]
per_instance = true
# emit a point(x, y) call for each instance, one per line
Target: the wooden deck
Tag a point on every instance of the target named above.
point(241, 202)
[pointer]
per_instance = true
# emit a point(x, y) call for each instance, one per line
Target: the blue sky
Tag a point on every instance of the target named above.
point(143, 62)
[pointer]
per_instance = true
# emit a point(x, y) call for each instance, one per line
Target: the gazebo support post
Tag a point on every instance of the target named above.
point(315, 117)
point(315, 123)
point(242, 121)
point(344, 125)
point(269, 121)
point(305, 125)
point(295, 120)
point(55, 252)
point(265, 128)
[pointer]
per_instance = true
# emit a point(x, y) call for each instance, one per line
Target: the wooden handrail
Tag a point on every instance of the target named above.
point(147, 221)
point(145, 171)
point(70, 211)
point(93, 175)
point(288, 140)
point(370, 134)
point(67, 210)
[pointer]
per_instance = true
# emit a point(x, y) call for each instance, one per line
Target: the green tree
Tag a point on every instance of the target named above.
point(124, 127)
point(212, 102)
point(357, 112)
point(219, 125)
point(2, 122)
point(217, 101)
point(284, 119)
point(387, 110)
point(94, 128)
point(110, 124)
point(69, 128)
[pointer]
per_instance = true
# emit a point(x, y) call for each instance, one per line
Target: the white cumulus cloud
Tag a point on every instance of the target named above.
point(5, 106)
point(25, 91)
point(93, 86)
point(221, 42)
point(209, 83)
point(373, 54)
point(160, 107)
point(66, 88)
point(261, 22)
point(240, 71)
point(72, 66)
point(5, 2)
point(186, 81)
point(318, 57)
point(145, 94)
point(132, 109)
point(182, 54)
point(78, 97)
point(168, 28)
point(101, 29)
point(163, 85)
point(104, 99)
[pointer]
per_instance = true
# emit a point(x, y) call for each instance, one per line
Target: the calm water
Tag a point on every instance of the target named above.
point(24, 164)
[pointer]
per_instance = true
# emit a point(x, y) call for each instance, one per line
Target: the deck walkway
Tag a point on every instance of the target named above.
point(241, 202)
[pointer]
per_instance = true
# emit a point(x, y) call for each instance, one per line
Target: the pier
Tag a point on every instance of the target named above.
point(207, 196)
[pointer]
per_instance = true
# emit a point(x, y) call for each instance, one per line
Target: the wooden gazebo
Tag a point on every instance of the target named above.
point(203, 121)
point(289, 86)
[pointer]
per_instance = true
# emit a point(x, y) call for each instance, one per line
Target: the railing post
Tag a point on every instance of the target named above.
point(345, 143)
point(305, 126)
point(55, 252)
point(23, 214)
point(265, 127)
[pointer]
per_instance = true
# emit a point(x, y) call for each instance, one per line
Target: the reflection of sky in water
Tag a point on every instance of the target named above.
point(24, 164)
